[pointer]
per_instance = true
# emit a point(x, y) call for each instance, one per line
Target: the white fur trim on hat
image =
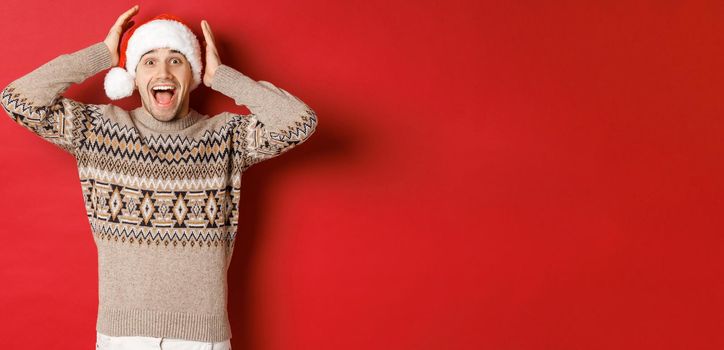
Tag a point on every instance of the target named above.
point(160, 33)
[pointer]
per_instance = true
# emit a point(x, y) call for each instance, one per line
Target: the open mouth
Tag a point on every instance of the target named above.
point(163, 95)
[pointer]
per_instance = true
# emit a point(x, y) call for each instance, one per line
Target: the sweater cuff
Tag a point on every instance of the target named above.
point(227, 78)
point(243, 89)
point(98, 57)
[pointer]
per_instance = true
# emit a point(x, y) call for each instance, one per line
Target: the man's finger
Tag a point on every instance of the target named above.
point(211, 33)
point(130, 13)
point(207, 37)
point(207, 31)
point(122, 19)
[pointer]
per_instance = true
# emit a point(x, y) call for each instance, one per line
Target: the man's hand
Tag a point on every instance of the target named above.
point(114, 35)
point(212, 55)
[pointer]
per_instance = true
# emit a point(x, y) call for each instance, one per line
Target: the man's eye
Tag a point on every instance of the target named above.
point(149, 62)
point(176, 60)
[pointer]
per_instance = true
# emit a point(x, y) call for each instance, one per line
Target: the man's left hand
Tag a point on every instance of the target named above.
point(212, 55)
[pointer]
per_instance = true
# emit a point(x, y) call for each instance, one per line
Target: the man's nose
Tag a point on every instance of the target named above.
point(164, 70)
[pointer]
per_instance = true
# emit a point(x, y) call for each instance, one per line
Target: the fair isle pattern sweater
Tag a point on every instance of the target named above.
point(161, 197)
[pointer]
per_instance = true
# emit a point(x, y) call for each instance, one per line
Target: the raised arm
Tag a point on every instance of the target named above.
point(34, 100)
point(279, 120)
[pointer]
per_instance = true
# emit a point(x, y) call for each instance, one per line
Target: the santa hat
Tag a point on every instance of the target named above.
point(162, 31)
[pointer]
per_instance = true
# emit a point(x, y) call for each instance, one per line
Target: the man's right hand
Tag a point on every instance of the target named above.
point(114, 35)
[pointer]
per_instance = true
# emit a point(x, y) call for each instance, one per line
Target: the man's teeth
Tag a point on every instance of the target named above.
point(157, 88)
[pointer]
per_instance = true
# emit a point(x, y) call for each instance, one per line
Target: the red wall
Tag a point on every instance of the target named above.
point(485, 175)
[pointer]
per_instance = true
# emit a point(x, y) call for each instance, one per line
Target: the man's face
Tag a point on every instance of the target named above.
point(163, 79)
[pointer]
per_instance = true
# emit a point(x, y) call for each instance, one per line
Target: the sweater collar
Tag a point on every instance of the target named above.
point(142, 115)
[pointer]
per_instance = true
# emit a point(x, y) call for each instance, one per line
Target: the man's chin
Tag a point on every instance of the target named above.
point(163, 114)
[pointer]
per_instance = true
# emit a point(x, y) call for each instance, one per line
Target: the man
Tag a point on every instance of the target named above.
point(161, 183)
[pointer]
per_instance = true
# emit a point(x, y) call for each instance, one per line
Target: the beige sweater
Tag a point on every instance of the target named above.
point(161, 197)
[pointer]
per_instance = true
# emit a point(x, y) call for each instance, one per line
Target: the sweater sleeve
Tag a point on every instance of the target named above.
point(34, 100)
point(278, 122)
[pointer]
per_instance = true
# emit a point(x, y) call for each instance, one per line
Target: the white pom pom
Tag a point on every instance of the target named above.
point(119, 83)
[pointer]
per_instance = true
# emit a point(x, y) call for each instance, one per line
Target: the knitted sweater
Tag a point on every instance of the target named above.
point(161, 197)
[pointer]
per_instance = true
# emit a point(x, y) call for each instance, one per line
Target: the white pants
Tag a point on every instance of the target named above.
point(106, 342)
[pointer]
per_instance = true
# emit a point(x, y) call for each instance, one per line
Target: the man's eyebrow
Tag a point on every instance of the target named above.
point(156, 50)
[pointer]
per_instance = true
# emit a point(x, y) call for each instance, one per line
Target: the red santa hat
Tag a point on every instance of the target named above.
point(162, 31)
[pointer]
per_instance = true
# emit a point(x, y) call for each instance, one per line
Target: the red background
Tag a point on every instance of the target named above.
point(485, 175)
